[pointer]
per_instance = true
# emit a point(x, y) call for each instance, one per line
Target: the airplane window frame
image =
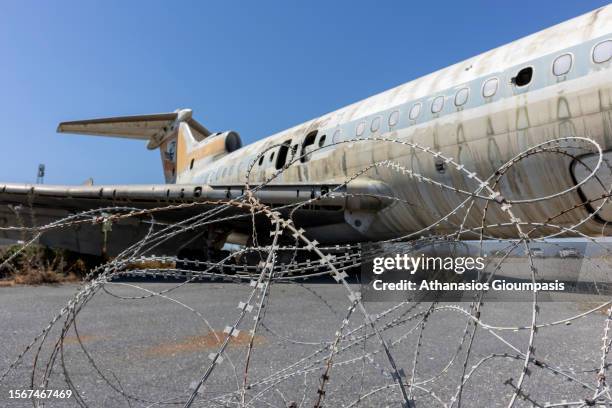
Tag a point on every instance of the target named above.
point(361, 127)
point(528, 68)
point(434, 104)
point(393, 118)
point(337, 136)
point(309, 140)
point(283, 153)
point(467, 96)
point(609, 40)
point(484, 86)
point(375, 121)
point(418, 107)
point(558, 58)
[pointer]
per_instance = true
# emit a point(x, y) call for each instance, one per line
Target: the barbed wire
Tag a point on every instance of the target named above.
point(370, 354)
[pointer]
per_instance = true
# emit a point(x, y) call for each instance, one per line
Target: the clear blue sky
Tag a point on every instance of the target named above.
point(254, 67)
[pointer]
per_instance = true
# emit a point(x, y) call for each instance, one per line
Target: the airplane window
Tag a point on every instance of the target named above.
point(394, 118)
point(261, 159)
point(322, 141)
point(337, 136)
point(490, 87)
point(415, 111)
point(437, 104)
point(307, 145)
point(361, 128)
point(282, 154)
point(272, 156)
point(562, 64)
point(602, 52)
point(461, 96)
point(191, 164)
point(375, 124)
point(523, 77)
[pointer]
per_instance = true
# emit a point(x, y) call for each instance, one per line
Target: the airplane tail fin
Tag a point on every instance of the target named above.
point(159, 129)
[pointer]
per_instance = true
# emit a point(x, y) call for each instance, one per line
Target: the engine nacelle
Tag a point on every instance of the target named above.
point(216, 145)
point(231, 140)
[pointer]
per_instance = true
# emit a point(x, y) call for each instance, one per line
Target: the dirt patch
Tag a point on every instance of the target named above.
point(207, 341)
point(85, 338)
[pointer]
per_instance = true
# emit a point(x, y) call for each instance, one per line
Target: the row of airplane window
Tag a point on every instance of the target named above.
point(562, 65)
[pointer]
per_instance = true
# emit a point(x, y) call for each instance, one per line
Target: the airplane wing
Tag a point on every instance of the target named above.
point(87, 197)
point(38, 204)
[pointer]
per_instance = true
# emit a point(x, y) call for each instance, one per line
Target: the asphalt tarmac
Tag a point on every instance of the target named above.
point(155, 349)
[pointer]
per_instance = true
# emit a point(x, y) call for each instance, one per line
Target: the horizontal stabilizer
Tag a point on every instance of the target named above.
point(155, 127)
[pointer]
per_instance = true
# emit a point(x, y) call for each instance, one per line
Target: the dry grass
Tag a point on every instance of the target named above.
point(150, 265)
point(36, 277)
point(37, 265)
point(7, 283)
point(44, 277)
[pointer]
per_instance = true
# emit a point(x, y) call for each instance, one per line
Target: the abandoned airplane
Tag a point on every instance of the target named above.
point(374, 169)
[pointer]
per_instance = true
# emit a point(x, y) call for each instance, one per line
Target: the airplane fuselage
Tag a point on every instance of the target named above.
point(481, 112)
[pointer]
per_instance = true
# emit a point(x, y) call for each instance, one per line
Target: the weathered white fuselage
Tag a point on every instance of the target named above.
point(482, 134)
